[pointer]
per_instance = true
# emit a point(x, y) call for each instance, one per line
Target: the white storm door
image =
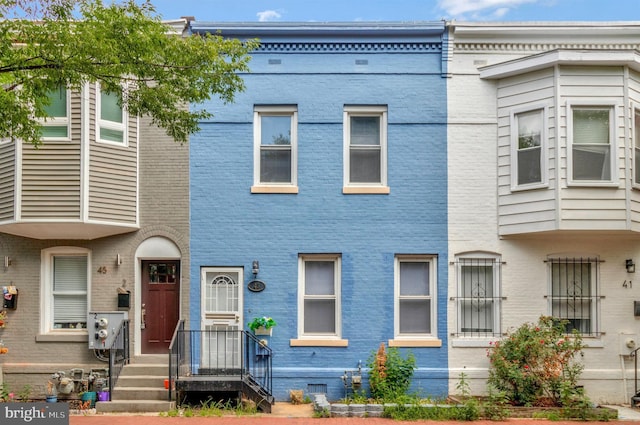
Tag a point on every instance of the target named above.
point(221, 317)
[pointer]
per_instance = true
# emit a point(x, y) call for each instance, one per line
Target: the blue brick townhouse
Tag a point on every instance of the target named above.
point(319, 198)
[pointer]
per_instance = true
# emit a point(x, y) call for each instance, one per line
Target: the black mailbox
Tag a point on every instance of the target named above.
point(10, 301)
point(124, 300)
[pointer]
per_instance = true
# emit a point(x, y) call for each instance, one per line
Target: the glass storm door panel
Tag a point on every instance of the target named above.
point(221, 317)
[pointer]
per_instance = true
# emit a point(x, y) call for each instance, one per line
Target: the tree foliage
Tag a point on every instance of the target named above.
point(125, 47)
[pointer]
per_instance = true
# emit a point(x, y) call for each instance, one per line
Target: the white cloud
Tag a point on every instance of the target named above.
point(459, 8)
point(268, 15)
point(499, 13)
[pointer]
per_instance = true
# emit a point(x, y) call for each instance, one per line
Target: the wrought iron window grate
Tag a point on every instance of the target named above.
point(575, 293)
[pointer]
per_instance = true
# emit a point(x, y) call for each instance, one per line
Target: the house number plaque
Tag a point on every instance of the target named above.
point(256, 286)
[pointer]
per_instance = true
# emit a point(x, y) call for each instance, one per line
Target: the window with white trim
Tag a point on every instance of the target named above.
point(592, 143)
point(575, 289)
point(112, 118)
point(365, 146)
point(528, 148)
point(56, 125)
point(415, 296)
point(319, 296)
point(275, 139)
point(636, 146)
point(65, 289)
point(478, 300)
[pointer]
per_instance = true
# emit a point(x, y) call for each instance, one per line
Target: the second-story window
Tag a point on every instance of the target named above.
point(592, 142)
point(112, 119)
point(528, 144)
point(365, 146)
point(56, 125)
point(275, 141)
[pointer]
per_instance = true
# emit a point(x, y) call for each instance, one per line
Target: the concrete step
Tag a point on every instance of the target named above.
point(141, 381)
point(151, 359)
point(134, 406)
point(138, 393)
point(135, 369)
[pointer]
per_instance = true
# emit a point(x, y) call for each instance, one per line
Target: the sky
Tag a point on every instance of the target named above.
point(399, 10)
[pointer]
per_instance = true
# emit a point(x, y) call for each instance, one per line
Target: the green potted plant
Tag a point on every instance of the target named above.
point(262, 325)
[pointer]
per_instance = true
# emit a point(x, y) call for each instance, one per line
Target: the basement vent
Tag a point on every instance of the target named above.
point(316, 389)
point(275, 61)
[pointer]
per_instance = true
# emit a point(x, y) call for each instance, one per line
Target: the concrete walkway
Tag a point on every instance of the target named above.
point(287, 414)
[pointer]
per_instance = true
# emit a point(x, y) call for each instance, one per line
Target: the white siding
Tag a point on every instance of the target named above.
point(7, 180)
point(634, 97)
point(527, 210)
point(590, 208)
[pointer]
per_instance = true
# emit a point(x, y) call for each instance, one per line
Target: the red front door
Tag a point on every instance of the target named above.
point(160, 304)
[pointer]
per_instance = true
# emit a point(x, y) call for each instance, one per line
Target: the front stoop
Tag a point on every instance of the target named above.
point(140, 387)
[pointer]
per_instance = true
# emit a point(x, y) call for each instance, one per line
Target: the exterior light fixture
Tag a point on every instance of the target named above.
point(630, 265)
point(255, 267)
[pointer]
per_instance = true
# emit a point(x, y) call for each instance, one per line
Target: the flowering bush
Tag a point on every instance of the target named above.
point(390, 373)
point(264, 321)
point(535, 365)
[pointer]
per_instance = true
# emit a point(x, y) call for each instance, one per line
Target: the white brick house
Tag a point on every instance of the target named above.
point(544, 191)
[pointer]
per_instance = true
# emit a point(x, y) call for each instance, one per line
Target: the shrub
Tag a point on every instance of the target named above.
point(390, 373)
point(535, 363)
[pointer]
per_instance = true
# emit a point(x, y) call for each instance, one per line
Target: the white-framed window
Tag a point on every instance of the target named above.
point(528, 148)
point(66, 284)
point(275, 133)
point(55, 127)
point(636, 145)
point(592, 141)
point(111, 118)
point(574, 287)
point(319, 296)
point(478, 299)
point(415, 297)
point(365, 146)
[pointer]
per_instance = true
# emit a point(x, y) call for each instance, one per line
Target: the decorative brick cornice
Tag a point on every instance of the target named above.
point(540, 47)
point(289, 47)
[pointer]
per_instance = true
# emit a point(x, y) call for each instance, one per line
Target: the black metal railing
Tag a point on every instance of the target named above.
point(223, 353)
point(177, 354)
point(118, 354)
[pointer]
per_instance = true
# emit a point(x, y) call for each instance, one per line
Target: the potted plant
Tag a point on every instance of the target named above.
point(262, 325)
point(51, 392)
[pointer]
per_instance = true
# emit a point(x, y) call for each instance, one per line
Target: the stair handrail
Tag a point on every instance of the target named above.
point(257, 362)
point(175, 359)
point(119, 354)
point(634, 354)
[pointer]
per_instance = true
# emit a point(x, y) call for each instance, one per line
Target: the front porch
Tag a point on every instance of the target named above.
point(220, 361)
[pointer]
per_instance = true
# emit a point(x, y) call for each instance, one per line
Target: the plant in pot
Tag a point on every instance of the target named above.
point(262, 325)
point(51, 392)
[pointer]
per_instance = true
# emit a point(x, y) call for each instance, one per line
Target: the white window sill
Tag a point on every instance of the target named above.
point(63, 337)
point(361, 190)
point(593, 183)
point(274, 189)
point(480, 342)
point(415, 342)
point(319, 343)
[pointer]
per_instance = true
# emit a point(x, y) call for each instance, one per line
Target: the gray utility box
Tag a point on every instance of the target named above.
point(103, 326)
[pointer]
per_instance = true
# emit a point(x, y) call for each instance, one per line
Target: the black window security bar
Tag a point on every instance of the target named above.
point(575, 293)
point(479, 297)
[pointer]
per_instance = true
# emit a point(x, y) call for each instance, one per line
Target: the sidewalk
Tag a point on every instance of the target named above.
point(288, 414)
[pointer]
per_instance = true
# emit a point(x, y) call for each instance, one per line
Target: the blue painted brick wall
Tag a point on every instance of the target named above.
point(232, 227)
